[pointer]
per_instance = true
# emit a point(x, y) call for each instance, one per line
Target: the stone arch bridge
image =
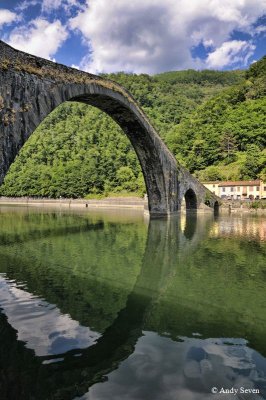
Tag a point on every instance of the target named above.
point(31, 88)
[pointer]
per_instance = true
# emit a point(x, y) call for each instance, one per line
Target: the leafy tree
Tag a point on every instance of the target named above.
point(252, 165)
point(126, 178)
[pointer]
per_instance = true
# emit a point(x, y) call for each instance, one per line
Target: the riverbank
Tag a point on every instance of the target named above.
point(128, 202)
point(109, 202)
point(253, 207)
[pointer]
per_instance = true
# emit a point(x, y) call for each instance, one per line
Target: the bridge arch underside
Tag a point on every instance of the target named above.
point(152, 161)
point(191, 202)
point(157, 163)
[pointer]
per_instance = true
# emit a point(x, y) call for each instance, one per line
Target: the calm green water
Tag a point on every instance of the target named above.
point(111, 306)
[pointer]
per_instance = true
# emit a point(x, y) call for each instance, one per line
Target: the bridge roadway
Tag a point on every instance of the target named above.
point(31, 88)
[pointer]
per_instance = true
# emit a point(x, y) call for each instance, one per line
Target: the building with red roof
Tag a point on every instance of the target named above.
point(238, 190)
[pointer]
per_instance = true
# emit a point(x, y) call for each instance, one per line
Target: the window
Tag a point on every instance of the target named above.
point(238, 188)
point(258, 188)
point(251, 188)
point(232, 189)
point(223, 189)
point(213, 186)
point(264, 189)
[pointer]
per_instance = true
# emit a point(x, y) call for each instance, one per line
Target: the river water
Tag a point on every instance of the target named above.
point(108, 305)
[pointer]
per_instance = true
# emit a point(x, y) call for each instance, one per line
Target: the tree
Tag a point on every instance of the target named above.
point(126, 178)
point(228, 146)
point(252, 165)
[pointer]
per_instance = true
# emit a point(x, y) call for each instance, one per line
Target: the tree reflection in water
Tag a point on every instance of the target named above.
point(189, 322)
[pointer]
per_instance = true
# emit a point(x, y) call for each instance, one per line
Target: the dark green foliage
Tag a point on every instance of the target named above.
point(252, 165)
point(221, 130)
point(76, 151)
point(205, 77)
point(256, 76)
point(206, 122)
point(257, 70)
point(64, 246)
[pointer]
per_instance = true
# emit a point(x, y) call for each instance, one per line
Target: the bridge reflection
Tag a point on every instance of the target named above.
point(168, 258)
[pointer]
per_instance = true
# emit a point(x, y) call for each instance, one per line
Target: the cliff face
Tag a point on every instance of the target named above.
point(31, 87)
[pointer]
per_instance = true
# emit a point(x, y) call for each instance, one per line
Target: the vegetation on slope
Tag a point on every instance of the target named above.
point(225, 137)
point(214, 122)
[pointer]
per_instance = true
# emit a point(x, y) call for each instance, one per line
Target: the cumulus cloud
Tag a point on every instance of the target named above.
point(40, 37)
point(230, 53)
point(6, 17)
point(152, 36)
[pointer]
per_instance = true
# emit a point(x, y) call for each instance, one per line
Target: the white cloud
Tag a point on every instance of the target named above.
point(26, 4)
point(40, 37)
point(6, 17)
point(38, 333)
point(207, 43)
point(50, 5)
point(152, 36)
point(230, 53)
point(260, 30)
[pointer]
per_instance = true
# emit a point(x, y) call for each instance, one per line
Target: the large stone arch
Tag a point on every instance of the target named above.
point(31, 88)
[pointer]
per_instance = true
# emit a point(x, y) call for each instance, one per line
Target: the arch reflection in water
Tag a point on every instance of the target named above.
point(190, 226)
point(216, 208)
point(160, 342)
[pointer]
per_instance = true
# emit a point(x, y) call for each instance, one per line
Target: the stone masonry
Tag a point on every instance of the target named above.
point(31, 88)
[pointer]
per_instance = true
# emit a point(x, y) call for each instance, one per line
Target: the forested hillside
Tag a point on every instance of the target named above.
point(214, 122)
point(225, 137)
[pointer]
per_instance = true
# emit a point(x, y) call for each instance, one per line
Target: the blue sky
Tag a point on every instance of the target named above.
point(142, 36)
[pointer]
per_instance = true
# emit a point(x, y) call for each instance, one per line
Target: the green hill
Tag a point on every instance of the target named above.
point(209, 119)
point(225, 137)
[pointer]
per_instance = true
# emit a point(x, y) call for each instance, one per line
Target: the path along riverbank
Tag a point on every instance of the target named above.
point(110, 202)
point(137, 203)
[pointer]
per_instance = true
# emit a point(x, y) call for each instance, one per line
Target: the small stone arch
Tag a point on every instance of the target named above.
point(191, 200)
